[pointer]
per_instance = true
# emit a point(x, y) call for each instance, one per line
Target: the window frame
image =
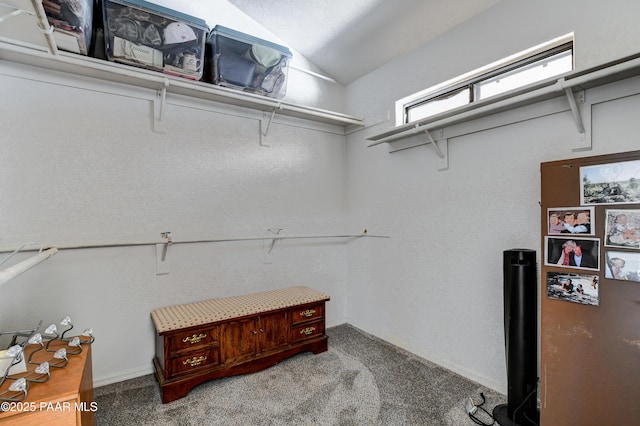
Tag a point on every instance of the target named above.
point(469, 80)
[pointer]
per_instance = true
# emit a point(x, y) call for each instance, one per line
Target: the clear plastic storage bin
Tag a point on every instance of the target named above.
point(146, 35)
point(72, 21)
point(244, 62)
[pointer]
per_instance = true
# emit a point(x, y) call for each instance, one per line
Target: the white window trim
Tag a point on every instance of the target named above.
point(401, 104)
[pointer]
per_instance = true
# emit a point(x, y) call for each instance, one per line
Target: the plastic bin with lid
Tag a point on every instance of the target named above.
point(241, 61)
point(150, 36)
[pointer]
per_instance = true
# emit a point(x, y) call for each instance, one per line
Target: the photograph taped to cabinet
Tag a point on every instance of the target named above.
point(622, 265)
point(572, 252)
point(613, 183)
point(577, 288)
point(570, 220)
point(622, 229)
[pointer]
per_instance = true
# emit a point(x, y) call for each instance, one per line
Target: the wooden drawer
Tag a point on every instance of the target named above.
point(308, 331)
point(308, 313)
point(193, 340)
point(194, 361)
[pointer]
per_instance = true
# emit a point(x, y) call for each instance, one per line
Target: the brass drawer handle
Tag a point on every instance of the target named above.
point(194, 361)
point(308, 313)
point(308, 331)
point(194, 339)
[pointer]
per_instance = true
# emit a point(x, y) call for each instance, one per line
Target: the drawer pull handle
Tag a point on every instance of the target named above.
point(308, 313)
point(194, 339)
point(307, 331)
point(194, 361)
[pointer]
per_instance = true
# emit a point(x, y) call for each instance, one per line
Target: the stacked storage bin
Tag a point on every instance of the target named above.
point(146, 35)
point(244, 62)
point(72, 21)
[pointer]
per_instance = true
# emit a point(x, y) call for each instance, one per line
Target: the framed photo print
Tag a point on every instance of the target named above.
point(613, 183)
point(572, 252)
point(622, 265)
point(575, 288)
point(570, 220)
point(622, 228)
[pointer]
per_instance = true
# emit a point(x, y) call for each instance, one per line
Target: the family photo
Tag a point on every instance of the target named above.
point(622, 265)
point(570, 220)
point(572, 252)
point(623, 228)
point(575, 288)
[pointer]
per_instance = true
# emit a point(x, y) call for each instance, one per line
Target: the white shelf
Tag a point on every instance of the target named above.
point(24, 39)
point(570, 85)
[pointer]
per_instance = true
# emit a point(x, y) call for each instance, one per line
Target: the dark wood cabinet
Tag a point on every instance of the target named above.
point(206, 340)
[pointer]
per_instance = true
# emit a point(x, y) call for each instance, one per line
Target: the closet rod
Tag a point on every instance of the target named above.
point(218, 240)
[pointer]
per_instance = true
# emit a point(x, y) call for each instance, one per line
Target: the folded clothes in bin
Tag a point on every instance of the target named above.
point(73, 23)
point(236, 70)
point(151, 36)
point(240, 61)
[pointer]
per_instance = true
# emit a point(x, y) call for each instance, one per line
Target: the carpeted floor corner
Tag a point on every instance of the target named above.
point(360, 380)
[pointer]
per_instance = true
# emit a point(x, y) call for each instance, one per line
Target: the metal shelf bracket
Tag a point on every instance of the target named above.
point(584, 132)
point(159, 104)
point(440, 144)
point(263, 134)
point(441, 151)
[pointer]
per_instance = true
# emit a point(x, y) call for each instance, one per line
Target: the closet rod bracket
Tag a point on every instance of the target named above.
point(167, 236)
point(162, 265)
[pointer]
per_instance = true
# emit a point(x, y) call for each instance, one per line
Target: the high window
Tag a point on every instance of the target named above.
point(517, 71)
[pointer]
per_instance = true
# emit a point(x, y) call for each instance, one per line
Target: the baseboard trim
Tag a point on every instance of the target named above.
point(122, 376)
point(469, 374)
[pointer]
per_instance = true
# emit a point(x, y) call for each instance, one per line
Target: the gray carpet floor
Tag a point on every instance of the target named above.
point(360, 380)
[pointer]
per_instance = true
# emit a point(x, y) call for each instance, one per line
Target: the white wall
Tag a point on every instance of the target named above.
point(81, 164)
point(82, 161)
point(435, 287)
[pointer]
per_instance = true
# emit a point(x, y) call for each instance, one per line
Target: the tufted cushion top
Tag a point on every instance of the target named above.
point(177, 317)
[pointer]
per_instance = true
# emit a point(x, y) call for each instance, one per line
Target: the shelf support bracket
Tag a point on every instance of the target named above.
point(159, 104)
point(263, 134)
point(442, 151)
point(584, 137)
point(43, 23)
point(440, 144)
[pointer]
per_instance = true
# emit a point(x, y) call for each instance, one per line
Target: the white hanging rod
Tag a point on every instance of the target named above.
point(285, 237)
point(17, 269)
point(312, 73)
point(212, 240)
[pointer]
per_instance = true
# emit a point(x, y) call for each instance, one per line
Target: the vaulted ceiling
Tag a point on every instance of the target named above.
point(350, 38)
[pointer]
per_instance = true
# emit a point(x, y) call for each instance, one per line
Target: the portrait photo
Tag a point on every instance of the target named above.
point(577, 288)
point(622, 228)
point(613, 183)
point(572, 252)
point(570, 220)
point(622, 265)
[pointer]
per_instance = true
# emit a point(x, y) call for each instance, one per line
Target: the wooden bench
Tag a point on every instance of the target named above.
point(201, 341)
